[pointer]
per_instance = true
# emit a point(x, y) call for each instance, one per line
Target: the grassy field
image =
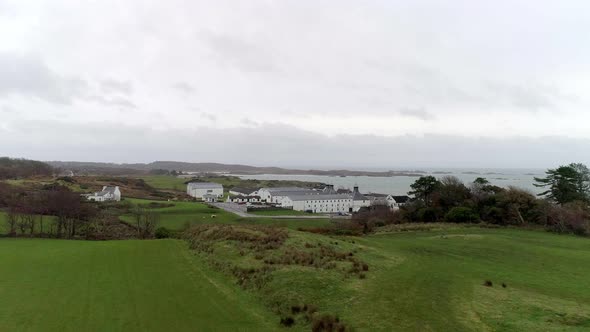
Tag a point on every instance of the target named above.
point(58, 285)
point(165, 182)
point(284, 212)
point(434, 281)
point(194, 213)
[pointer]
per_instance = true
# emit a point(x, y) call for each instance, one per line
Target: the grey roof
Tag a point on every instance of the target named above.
point(106, 190)
point(297, 192)
point(357, 196)
point(244, 197)
point(375, 195)
point(401, 198)
point(318, 197)
point(243, 190)
point(204, 185)
point(289, 189)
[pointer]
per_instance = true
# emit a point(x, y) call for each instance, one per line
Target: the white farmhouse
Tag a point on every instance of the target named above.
point(391, 201)
point(108, 193)
point(200, 189)
point(326, 203)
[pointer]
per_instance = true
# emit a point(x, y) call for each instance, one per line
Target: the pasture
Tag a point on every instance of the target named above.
point(433, 281)
point(156, 285)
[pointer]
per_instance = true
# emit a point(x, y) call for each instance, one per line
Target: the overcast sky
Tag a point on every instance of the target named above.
point(297, 83)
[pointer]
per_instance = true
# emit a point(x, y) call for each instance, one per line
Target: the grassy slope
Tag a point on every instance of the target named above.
point(53, 285)
point(432, 281)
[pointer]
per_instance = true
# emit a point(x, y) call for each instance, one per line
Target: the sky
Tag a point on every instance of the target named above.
point(322, 84)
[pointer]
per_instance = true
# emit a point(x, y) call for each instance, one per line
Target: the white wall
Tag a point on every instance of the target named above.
point(322, 206)
point(198, 193)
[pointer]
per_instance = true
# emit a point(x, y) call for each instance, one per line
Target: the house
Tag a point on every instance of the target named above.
point(319, 203)
point(401, 200)
point(210, 198)
point(393, 202)
point(243, 199)
point(108, 193)
point(240, 191)
point(199, 189)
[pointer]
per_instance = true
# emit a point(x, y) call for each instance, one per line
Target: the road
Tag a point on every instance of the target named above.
point(240, 210)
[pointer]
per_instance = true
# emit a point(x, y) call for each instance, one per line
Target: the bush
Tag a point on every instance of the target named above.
point(327, 323)
point(462, 215)
point(429, 214)
point(162, 233)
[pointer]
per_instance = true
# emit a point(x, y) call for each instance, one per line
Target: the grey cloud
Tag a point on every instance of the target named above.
point(110, 86)
point(115, 101)
point(283, 146)
point(184, 87)
point(419, 113)
point(29, 76)
point(248, 122)
point(209, 116)
point(239, 53)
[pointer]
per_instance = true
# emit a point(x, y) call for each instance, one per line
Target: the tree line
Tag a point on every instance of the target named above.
point(563, 205)
point(23, 168)
point(56, 211)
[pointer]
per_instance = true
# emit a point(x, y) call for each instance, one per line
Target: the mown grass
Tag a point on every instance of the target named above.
point(277, 212)
point(183, 214)
point(157, 285)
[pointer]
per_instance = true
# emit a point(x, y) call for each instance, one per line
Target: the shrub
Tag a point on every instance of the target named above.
point(287, 321)
point(327, 323)
point(462, 215)
point(429, 214)
point(162, 233)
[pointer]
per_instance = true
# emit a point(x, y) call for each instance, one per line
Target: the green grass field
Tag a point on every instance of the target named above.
point(165, 182)
point(157, 285)
point(433, 281)
point(417, 281)
point(195, 213)
point(284, 212)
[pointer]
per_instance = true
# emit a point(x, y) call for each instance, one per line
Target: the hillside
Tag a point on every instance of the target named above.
point(111, 168)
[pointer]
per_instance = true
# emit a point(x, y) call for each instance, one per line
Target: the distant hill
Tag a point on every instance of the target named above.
point(112, 168)
point(20, 168)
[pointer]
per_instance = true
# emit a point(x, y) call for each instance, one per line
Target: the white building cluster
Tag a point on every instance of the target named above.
point(207, 191)
point(327, 200)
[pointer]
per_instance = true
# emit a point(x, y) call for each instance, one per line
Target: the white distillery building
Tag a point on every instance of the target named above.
point(200, 189)
point(359, 200)
point(108, 193)
point(326, 203)
point(276, 195)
